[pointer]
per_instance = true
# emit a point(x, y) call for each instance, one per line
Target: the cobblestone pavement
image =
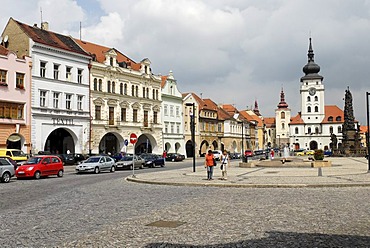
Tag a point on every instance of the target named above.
point(111, 212)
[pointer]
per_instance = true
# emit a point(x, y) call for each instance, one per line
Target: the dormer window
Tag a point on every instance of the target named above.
point(111, 61)
point(338, 118)
point(330, 118)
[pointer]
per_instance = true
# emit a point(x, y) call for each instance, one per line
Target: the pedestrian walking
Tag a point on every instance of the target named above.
point(209, 163)
point(272, 153)
point(225, 161)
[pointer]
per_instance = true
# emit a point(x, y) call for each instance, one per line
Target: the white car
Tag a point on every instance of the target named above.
point(217, 154)
point(97, 164)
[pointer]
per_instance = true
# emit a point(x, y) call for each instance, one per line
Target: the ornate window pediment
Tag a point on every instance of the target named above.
point(136, 105)
point(98, 101)
point(112, 102)
point(156, 108)
point(146, 106)
point(124, 104)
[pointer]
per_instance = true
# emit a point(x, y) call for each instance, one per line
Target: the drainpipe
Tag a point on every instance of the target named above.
point(90, 119)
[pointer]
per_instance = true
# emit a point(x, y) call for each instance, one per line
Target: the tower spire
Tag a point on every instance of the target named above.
point(282, 103)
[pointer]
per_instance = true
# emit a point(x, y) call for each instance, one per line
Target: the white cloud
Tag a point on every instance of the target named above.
point(232, 51)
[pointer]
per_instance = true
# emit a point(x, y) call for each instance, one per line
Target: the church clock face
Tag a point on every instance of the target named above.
point(312, 91)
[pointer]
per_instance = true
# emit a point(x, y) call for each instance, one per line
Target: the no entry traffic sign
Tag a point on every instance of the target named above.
point(133, 138)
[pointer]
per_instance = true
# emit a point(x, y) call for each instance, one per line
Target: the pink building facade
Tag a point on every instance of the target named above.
point(15, 95)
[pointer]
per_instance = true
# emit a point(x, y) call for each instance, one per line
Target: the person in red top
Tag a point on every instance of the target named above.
point(209, 164)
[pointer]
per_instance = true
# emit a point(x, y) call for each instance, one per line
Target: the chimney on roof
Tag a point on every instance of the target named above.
point(45, 26)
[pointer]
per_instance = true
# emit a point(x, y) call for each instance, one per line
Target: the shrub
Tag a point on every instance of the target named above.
point(319, 154)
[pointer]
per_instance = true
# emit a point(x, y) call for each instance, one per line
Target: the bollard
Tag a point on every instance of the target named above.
point(319, 172)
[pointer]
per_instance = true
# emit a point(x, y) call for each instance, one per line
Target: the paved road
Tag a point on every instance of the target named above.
point(107, 211)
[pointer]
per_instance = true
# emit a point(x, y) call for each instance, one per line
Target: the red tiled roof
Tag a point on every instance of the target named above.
point(51, 39)
point(229, 108)
point(210, 105)
point(98, 52)
point(334, 112)
point(223, 114)
point(269, 121)
point(363, 129)
point(164, 78)
point(3, 50)
point(296, 119)
point(251, 117)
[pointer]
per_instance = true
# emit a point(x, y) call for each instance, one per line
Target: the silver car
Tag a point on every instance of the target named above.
point(97, 164)
point(126, 162)
point(6, 170)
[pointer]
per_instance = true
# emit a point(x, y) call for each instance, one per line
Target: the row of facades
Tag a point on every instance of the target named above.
point(62, 94)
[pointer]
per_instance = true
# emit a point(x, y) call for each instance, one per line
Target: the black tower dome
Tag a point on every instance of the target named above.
point(311, 69)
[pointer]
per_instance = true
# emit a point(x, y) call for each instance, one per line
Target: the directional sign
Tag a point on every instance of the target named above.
point(126, 142)
point(133, 138)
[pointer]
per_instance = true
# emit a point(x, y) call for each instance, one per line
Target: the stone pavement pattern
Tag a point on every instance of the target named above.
point(344, 172)
point(108, 211)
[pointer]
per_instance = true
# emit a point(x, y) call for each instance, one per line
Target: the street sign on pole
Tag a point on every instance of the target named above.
point(133, 138)
point(126, 142)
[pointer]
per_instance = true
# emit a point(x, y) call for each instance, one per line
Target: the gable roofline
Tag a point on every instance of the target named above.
point(50, 38)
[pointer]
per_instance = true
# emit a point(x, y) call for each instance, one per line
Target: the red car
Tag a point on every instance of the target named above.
point(248, 153)
point(40, 166)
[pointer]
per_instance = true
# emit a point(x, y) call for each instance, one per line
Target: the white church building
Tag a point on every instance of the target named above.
point(312, 127)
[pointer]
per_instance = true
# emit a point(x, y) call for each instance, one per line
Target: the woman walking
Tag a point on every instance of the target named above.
point(225, 161)
point(209, 163)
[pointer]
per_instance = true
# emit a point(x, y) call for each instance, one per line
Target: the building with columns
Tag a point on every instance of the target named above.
point(125, 98)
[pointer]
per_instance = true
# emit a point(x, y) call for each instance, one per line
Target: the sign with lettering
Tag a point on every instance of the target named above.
point(63, 121)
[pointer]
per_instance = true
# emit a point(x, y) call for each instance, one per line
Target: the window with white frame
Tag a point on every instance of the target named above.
point(56, 71)
point(3, 77)
point(42, 69)
point(177, 111)
point(79, 76)
point(68, 73)
point(165, 110)
point(171, 110)
point(19, 83)
point(166, 127)
point(79, 102)
point(56, 99)
point(68, 101)
point(172, 127)
point(42, 98)
point(177, 128)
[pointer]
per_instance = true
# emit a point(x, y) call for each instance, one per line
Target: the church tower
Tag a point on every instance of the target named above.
point(282, 117)
point(312, 92)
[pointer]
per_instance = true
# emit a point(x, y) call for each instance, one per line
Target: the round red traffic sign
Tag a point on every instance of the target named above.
point(133, 138)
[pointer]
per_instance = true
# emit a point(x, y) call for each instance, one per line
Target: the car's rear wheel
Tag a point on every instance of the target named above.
point(96, 170)
point(6, 177)
point(60, 173)
point(113, 169)
point(130, 167)
point(37, 175)
point(173, 160)
point(141, 166)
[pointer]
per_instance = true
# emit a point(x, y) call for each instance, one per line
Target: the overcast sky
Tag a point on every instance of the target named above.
point(232, 51)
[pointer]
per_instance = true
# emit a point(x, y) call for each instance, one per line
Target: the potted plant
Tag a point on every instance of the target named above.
point(319, 159)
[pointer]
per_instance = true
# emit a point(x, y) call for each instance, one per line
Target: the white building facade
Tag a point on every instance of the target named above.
point(60, 88)
point(172, 117)
point(315, 123)
point(125, 100)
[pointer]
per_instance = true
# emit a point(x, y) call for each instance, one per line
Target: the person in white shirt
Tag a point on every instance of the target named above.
point(225, 161)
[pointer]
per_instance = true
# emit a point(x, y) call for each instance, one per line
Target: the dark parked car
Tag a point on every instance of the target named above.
point(174, 157)
point(235, 155)
point(152, 160)
point(328, 153)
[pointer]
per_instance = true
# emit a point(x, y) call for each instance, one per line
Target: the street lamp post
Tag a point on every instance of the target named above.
point(368, 129)
point(192, 128)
